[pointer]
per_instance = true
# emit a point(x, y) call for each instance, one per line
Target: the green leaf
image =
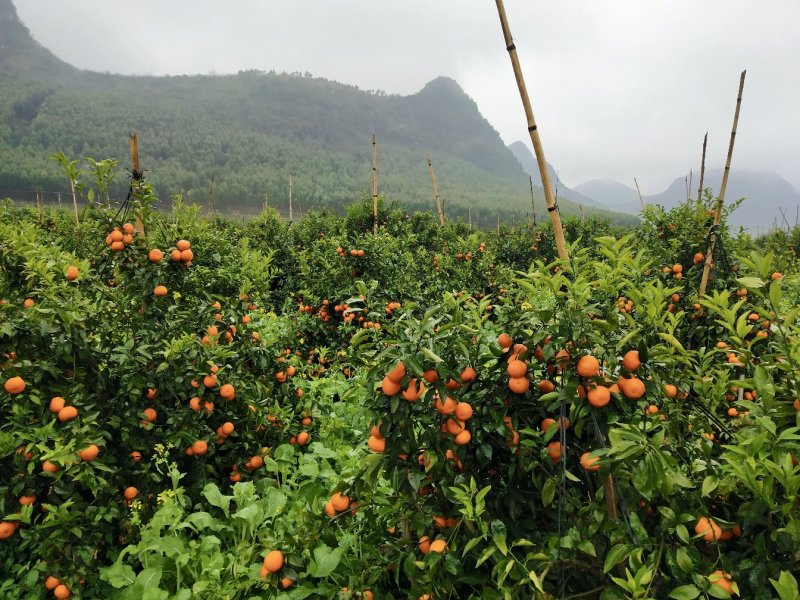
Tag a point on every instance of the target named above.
point(786, 586)
point(587, 547)
point(750, 282)
point(325, 561)
point(710, 483)
point(682, 533)
point(615, 556)
point(548, 492)
point(216, 498)
point(149, 578)
point(684, 561)
point(685, 592)
point(119, 575)
point(251, 513)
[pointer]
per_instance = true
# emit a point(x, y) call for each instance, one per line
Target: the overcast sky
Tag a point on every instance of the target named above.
point(620, 88)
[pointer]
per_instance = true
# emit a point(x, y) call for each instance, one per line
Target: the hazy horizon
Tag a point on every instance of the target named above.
point(620, 89)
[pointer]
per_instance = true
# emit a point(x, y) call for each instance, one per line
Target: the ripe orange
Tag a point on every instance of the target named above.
point(15, 385)
point(631, 360)
point(194, 403)
point(51, 583)
point(599, 396)
point(448, 408)
point(670, 390)
point(505, 340)
point(431, 376)
point(27, 500)
point(397, 373)
point(590, 463)
point(49, 467)
point(516, 368)
point(554, 451)
point(28, 302)
point(182, 245)
point(463, 411)
point(7, 529)
point(677, 268)
point(72, 273)
point(776, 275)
point(463, 438)
point(706, 527)
point(376, 444)
point(56, 404)
point(389, 387)
point(545, 386)
point(438, 546)
point(116, 235)
point(273, 561)
point(227, 428)
point(468, 375)
point(117, 246)
point(150, 414)
point(303, 438)
point(413, 393)
point(200, 447)
point(67, 414)
point(424, 544)
point(89, 453)
point(519, 385)
point(227, 392)
point(329, 510)
point(187, 255)
point(136, 456)
point(722, 580)
point(155, 255)
point(210, 381)
point(287, 582)
point(61, 592)
point(160, 291)
point(175, 256)
point(340, 502)
point(151, 393)
point(633, 388)
point(129, 493)
point(588, 366)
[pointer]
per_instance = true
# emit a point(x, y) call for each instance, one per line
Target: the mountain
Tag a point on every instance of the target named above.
point(765, 194)
point(611, 194)
point(249, 131)
point(528, 162)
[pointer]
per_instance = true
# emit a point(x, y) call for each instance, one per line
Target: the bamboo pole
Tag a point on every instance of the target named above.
point(702, 169)
point(583, 217)
point(266, 200)
point(211, 197)
point(533, 205)
point(721, 198)
point(552, 208)
point(638, 191)
point(689, 188)
point(136, 177)
point(374, 187)
point(291, 214)
point(498, 221)
point(436, 194)
point(469, 217)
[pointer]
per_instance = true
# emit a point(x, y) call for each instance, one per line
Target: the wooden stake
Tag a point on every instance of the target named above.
point(688, 190)
point(721, 198)
point(498, 221)
point(533, 206)
point(436, 194)
point(552, 208)
point(136, 177)
point(266, 200)
point(469, 217)
point(374, 187)
point(583, 217)
point(638, 191)
point(702, 169)
point(291, 214)
point(211, 197)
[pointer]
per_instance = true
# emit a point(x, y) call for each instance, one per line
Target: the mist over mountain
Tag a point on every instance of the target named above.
point(611, 194)
point(250, 131)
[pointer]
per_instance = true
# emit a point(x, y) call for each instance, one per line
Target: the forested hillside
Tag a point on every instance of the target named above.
point(249, 131)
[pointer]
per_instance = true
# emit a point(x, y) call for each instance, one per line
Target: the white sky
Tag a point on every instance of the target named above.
point(620, 88)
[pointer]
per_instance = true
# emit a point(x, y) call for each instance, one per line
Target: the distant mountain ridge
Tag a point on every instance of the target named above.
point(249, 131)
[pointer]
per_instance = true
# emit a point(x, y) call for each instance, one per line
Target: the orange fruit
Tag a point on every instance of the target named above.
point(652, 409)
point(160, 291)
point(117, 246)
point(329, 510)
point(706, 527)
point(56, 404)
point(129, 493)
point(182, 245)
point(273, 561)
point(431, 376)
point(448, 408)
point(287, 582)
point(51, 583)
point(424, 544)
point(776, 275)
point(116, 235)
point(554, 451)
point(468, 375)
point(389, 387)
point(670, 391)
point(633, 389)
point(397, 373)
point(210, 381)
point(89, 453)
point(722, 580)
point(136, 456)
point(505, 340)
point(590, 463)
point(15, 385)
point(200, 447)
point(150, 415)
point(303, 438)
point(463, 411)
point(376, 444)
point(438, 546)
point(61, 592)
point(72, 273)
point(194, 403)
point(631, 360)
point(516, 368)
point(151, 393)
point(67, 414)
point(340, 502)
point(599, 396)
point(545, 386)
point(27, 500)
point(452, 385)
point(463, 438)
point(227, 392)
point(519, 385)
point(677, 268)
point(227, 428)
point(28, 302)
point(187, 255)
point(175, 256)
point(49, 467)
point(155, 255)
point(413, 393)
point(588, 366)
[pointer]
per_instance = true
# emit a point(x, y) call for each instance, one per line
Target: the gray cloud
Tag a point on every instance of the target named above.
point(620, 88)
